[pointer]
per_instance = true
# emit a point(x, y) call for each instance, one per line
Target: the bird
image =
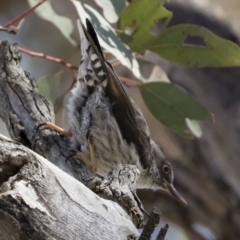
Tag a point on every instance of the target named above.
point(106, 126)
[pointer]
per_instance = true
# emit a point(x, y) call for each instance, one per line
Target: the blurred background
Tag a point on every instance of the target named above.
point(207, 170)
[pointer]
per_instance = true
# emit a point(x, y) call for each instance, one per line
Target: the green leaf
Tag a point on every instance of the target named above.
point(111, 8)
point(140, 16)
point(108, 38)
point(210, 50)
point(46, 12)
point(172, 106)
point(184, 44)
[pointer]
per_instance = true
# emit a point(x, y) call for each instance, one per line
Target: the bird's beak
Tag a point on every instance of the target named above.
point(171, 189)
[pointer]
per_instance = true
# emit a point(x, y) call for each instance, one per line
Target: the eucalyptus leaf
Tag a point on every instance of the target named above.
point(111, 8)
point(108, 38)
point(46, 12)
point(141, 16)
point(184, 44)
point(194, 127)
point(172, 105)
point(195, 46)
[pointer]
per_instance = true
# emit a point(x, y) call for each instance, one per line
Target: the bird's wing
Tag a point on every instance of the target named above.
point(130, 120)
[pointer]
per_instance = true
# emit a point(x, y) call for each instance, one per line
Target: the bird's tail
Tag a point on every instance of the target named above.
point(91, 70)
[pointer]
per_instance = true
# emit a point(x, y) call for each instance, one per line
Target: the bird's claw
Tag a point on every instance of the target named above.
point(52, 126)
point(41, 125)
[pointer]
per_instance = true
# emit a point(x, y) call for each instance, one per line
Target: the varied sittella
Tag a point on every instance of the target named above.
point(106, 126)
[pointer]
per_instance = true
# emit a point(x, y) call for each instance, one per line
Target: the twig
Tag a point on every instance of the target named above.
point(24, 14)
point(47, 57)
point(14, 28)
point(151, 224)
point(129, 82)
point(114, 64)
point(162, 233)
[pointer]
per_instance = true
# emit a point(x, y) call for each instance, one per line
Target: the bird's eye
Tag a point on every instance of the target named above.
point(166, 169)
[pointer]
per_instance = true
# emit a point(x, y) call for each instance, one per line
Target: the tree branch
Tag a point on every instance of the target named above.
point(39, 201)
point(47, 57)
point(152, 222)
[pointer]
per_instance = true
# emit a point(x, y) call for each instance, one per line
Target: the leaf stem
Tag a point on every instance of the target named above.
point(24, 14)
point(47, 57)
point(129, 82)
point(114, 64)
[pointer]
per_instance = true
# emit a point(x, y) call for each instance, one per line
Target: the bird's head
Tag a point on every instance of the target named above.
point(162, 173)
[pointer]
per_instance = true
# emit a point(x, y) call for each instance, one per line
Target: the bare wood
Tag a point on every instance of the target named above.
point(152, 222)
point(162, 232)
point(39, 201)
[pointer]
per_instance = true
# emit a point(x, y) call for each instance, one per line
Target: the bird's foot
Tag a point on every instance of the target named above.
point(92, 155)
point(121, 185)
point(52, 126)
point(90, 164)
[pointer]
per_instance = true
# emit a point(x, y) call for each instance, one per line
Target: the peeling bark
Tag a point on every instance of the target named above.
point(39, 201)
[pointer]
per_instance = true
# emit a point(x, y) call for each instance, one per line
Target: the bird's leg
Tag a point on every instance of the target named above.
point(52, 126)
point(84, 160)
point(92, 156)
point(90, 164)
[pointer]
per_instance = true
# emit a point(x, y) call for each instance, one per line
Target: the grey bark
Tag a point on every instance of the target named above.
point(152, 222)
point(23, 109)
point(39, 201)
